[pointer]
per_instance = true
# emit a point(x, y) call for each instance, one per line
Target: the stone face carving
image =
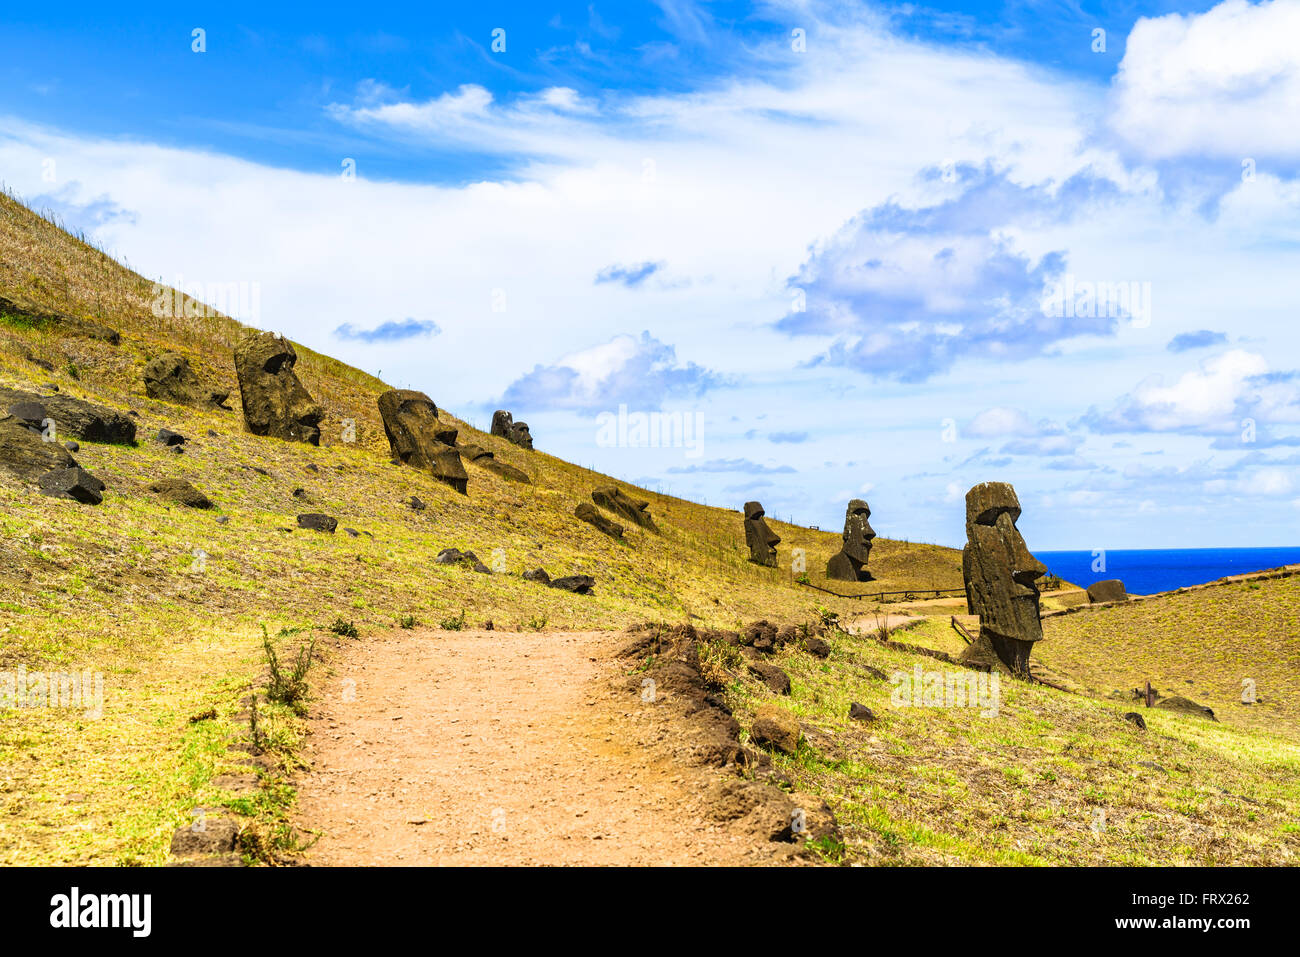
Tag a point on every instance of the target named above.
point(418, 439)
point(762, 541)
point(1000, 574)
point(619, 502)
point(504, 425)
point(488, 460)
point(849, 564)
point(170, 378)
point(275, 402)
point(588, 513)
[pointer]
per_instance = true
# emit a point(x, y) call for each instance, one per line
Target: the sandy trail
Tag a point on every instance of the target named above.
point(489, 748)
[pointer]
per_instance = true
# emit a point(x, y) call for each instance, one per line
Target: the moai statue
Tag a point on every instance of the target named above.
point(275, 402)
point(503, 424)
point(849, 564)
point(762, 541)
point(620, 503)
point(418, 439)
point(1000, 574)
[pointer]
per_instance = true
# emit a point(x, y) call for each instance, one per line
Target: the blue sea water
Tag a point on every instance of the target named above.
point(1147, 570)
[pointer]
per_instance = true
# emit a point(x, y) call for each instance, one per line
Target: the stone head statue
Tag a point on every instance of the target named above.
point(418, 439)
point(620, 503)
point(762, 541)
point(850, 563)
point(1000, 574)
point(275, 401)
point(504, 425)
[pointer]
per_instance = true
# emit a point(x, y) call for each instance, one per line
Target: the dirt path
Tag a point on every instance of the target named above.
point(487, 747)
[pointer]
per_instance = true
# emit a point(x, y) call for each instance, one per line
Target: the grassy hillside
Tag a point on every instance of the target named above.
point(1200, 644)
point(118, 589)
point(169, 604)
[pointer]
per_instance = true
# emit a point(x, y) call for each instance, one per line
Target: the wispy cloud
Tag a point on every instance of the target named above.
point(1202, 339)
point(732, 465)
point(389, 331)
point(630, 276)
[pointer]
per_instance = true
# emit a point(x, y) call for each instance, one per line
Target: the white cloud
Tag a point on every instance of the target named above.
point(1206, 399)
point(999, 421)
point(1223, 83)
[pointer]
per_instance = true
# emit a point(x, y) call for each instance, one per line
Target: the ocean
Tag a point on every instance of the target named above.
point(1147, 570)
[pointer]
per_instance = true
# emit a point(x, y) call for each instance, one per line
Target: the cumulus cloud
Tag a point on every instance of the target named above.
point(639, 372)
point(1215, 84)
point(1209, 399)
point(389, 331)
point(1201, 339)
point(907, 291)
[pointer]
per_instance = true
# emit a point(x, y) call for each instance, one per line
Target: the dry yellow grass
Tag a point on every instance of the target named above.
point(118, 589)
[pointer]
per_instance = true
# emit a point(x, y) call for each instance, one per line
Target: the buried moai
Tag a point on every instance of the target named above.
point(762, 541)
point(614, 499)
point(849, 564)
point(418, 439)
point(275, 402)
point(504, 425)
point(1000, 575)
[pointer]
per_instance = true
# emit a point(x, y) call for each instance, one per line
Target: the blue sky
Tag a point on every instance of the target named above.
point(877, 250)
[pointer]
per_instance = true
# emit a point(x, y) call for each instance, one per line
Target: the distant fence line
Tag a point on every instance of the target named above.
point(909, 594)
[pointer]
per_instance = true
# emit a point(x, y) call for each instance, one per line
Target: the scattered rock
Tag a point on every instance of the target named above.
point(816, 647)
point(419, 440)
point(760, 635)
point(74, 483)
point(1134, 718)
point(860, 712)
point(578, 584)
point(168, 437)
point(275, 402)
point(218, 835)
point(1186, 706)
point(614, 499)
point(1112, 589)
point(776, 728)
point(352, 533)
point(318, 522)
point(538, 575)
point(72, 446)
point(588, 513)
point(180, 492)
point(89, 329)
point(170, 378)
point(76, 417)
point(223, 519)
point(777, 681)
point(482, 569)
point(504, 425)
point(415, 504)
